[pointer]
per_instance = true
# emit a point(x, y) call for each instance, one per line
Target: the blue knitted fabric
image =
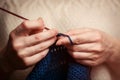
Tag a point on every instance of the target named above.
point(58, 65)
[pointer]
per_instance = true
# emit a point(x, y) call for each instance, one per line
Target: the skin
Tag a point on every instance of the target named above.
point(28, 44)
point(94, 47)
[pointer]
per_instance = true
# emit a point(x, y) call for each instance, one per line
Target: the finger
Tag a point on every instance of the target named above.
point(88, 47)
point(33, 25)
point(87, 37)
point(28, 26)
point(39, 37)
point(31, 60)
point(81, 55)
point(41, 29)
point(89, 62)
point(32, 50)
point(85, 62)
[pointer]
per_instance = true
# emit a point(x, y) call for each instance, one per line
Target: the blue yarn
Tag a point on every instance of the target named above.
point(58, 65)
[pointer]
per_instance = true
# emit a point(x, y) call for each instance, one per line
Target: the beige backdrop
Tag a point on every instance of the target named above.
point(63, 15)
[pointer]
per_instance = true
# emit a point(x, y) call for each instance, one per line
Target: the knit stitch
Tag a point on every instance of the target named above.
point(58, 65)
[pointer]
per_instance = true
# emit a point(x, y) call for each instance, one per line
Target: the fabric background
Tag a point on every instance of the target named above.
point(63, 15)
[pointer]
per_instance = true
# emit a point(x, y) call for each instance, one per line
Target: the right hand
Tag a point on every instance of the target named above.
point(28, 44)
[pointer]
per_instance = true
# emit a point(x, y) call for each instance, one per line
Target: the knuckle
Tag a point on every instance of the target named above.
point(100, 48)
point(77, 40)
point(94, 63)
point(96, 57)
point(37, 37)
point(41, 48)
point(21, 54)
point(24, 24)
point(17, 45)
point(98, 36)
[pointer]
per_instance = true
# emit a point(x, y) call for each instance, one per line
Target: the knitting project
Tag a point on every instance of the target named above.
point(58, 65)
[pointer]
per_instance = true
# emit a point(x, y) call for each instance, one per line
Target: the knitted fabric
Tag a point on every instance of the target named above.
point(58, 65)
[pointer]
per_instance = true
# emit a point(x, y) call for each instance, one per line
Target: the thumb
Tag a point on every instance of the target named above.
point(38, 28)
point(29, 27)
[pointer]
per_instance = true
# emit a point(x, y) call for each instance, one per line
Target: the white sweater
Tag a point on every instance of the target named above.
point(63, 15)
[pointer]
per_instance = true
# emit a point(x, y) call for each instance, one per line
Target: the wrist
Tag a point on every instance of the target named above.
point(115, 50)
point(114, 60)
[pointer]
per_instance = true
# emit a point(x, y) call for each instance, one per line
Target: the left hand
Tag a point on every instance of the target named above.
point(91, 47)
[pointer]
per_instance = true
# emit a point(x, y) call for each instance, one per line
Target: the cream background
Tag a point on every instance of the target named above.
point(64, 15)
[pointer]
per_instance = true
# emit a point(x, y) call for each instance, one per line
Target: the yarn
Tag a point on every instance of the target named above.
point(58, 65)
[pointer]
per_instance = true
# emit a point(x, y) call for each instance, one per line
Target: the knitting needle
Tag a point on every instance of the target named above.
point(21, 17)
point(16, 15)
point(13, 14)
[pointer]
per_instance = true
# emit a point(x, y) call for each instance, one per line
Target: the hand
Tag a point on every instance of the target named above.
point(28, 44)
point(91, 47)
